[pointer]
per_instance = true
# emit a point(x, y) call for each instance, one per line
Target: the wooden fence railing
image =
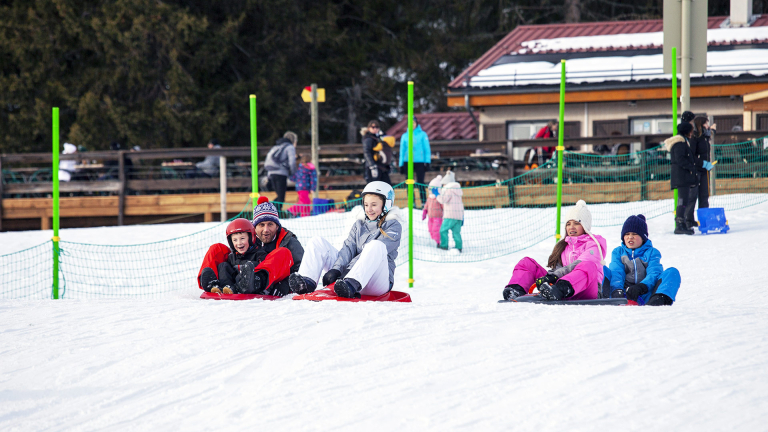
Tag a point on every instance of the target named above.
point(123, 182)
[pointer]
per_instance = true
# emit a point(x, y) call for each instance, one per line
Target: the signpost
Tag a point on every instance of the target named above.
point(313, 96)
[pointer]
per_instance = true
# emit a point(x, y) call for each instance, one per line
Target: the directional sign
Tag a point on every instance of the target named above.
point(306, 95)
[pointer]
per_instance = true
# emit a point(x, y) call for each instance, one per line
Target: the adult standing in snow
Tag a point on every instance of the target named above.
point(422, 157)
point(683, 175)
point(376, 164)
point(700, 147)
point(365, 265)
point(277, 254)
point(281, 164)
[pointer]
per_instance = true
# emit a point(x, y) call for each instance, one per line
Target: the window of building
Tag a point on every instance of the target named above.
point(651, 126)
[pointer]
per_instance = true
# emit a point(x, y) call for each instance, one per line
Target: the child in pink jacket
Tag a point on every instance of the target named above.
point(434, 210)
point(576, 263)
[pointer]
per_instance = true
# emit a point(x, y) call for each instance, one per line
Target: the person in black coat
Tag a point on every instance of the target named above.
point(683, 175)
point(700, 146)
point(374, 169)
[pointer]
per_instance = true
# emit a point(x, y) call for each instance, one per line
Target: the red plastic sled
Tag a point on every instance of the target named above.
point(214, 296)
point(328, 294)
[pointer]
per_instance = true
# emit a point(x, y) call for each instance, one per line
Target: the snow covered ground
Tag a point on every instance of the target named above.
point(452, 359)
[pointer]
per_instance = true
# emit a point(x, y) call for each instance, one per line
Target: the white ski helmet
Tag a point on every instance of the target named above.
point(383, 190)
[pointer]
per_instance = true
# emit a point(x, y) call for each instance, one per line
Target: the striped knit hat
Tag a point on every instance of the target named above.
point(265, 211)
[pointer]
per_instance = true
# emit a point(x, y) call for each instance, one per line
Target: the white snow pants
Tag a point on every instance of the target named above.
point(371, 269)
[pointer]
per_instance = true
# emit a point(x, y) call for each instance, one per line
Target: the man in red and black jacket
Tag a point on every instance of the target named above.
point(275, 253)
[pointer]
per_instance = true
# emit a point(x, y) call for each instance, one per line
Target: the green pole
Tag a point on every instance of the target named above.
point(254, 153)
point(560, 148)
point(410, 183)
point(674, 114)
point(55, 170)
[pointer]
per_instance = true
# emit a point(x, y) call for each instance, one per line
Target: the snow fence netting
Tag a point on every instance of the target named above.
point(499, 219)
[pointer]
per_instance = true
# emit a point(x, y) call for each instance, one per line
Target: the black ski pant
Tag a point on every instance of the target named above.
point(419, 171)
point(227, 275)
point(685, 203)
point(280, 185)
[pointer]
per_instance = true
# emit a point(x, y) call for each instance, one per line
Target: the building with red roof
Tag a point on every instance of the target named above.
point(615, 82)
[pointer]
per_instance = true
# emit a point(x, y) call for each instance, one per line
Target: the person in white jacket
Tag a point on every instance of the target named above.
point(365, 265)
point(67, 167)
point(453, 211)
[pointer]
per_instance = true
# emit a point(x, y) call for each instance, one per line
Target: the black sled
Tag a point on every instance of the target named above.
point(536, 299)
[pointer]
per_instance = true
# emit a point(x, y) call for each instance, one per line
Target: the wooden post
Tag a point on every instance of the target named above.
point(643, 168)
point(223, 186)
point(121, 191)
point(45, 223)
point(1, 193)
point(511, 172)
point(315, 137)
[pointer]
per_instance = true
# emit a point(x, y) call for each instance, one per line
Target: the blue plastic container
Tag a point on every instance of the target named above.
point(712, 220)
point(320, 206)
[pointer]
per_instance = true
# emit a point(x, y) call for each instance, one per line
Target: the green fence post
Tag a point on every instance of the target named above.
point(410, 183)
point(560, 148)
point(254, 153)
point(674, 116)
point(55, 169)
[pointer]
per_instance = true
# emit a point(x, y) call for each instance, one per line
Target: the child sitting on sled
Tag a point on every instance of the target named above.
point(241, 237)
point(434, 210)
point(636, 271)
point(453, 211)
point(576, 263)
point(365, 265)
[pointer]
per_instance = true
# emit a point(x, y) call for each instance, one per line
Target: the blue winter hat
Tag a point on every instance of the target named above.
point(265, 211)
point(637, 225)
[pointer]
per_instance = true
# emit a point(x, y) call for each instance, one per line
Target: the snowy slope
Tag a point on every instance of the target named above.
point(452, 359)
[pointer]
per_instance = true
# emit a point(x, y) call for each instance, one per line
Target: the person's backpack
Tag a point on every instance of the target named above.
point(277, 156)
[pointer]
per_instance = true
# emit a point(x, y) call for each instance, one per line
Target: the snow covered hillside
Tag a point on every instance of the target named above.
point(454, 359)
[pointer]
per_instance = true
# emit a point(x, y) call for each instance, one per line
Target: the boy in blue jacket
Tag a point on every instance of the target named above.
point(636, 271)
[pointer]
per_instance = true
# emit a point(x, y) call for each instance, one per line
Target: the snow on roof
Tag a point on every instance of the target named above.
point(636, 40)
point(618, 68)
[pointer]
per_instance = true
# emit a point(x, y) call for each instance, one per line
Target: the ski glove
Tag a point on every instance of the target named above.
point(559, 291)
point(707, 165)
point(331, 276)
point(548, 278)
point(619, 293)
point(636, 291)
point(435, 191)
point(374, 172)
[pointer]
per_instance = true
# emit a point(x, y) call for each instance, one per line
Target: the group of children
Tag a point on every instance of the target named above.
point(365, 264)
point(445, 210)
point(577, 268)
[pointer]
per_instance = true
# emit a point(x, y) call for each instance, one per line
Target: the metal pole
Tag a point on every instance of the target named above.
point(315, 136)
point(223, 186)
point(410, 183)
point(560, 147)
point(55, 169)
point(254, 153)
point(674, 115)
point(685, 59)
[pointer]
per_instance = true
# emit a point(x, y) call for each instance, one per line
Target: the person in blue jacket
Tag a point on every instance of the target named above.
point(636, 271)
point(422, 157)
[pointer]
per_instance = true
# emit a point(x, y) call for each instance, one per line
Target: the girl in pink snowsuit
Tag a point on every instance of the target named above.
point(576, 263)
point(434, 210)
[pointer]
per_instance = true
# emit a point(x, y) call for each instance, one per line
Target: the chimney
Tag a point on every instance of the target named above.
point(741, 13)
